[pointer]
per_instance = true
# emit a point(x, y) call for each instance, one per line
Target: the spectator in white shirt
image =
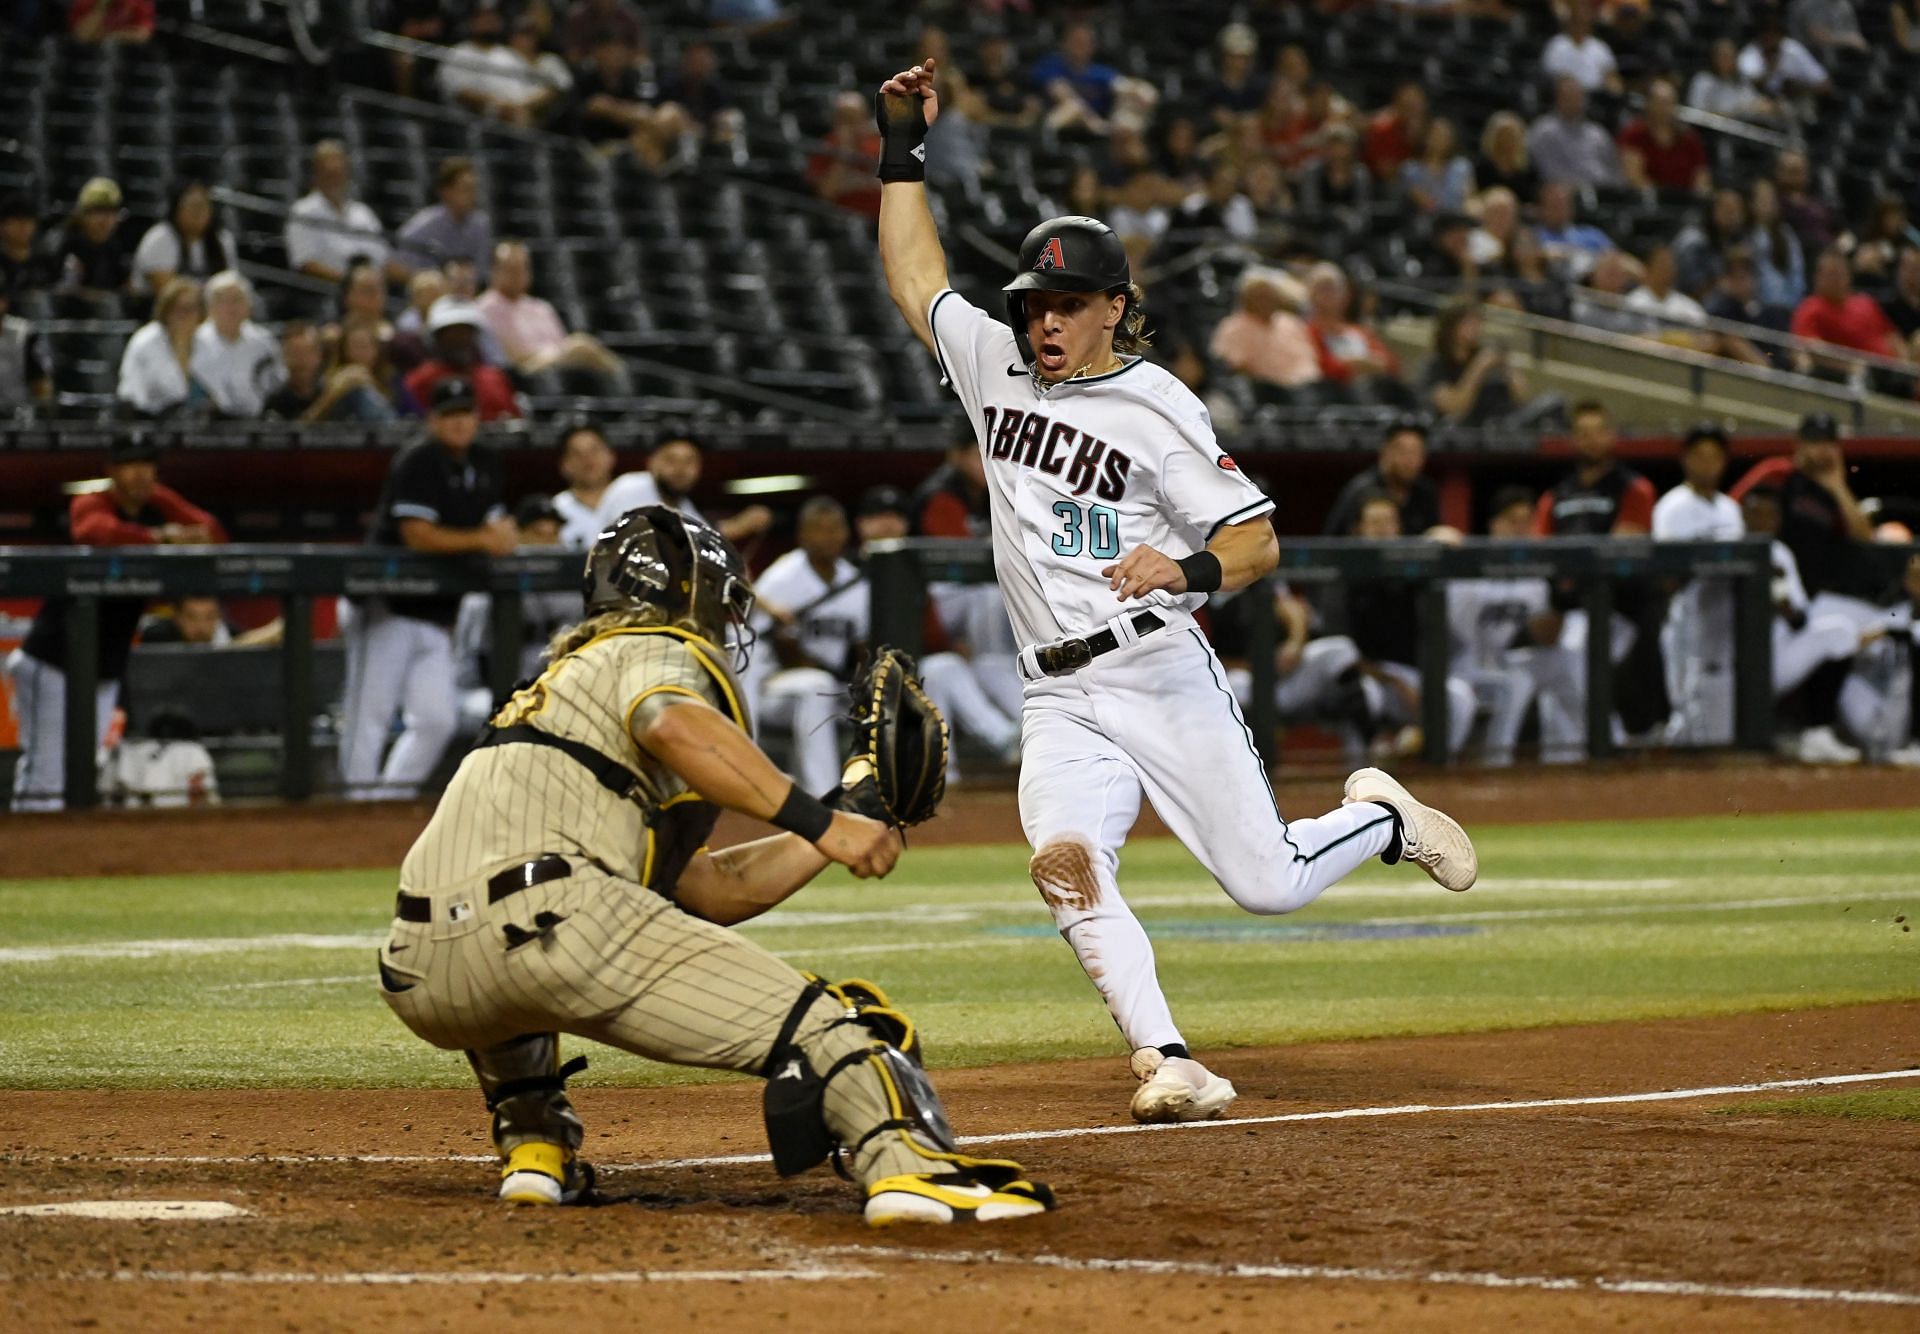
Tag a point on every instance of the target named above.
point(1575, 53)
point(1724, 91)
point(530, 330)
point(156, 369)
point(1671, 316)
point(185, 245)
point(238, 361)
point(1779, 66)
point(329, 228)
point(487, 75)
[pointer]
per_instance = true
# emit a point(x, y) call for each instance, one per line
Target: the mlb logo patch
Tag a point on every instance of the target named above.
point(1052, 257)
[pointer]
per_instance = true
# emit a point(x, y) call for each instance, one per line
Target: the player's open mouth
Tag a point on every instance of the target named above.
point(1052, 357)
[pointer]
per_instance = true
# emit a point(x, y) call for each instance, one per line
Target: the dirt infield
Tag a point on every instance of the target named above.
point(1652, 1215)
point(330, 835)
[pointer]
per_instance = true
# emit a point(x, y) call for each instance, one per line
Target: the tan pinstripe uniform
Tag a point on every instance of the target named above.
point(602, 953)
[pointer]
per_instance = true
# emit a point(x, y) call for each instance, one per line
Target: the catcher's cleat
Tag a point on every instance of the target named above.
point(1430, 839)
point(951, 1197)
point(1176, 1088)
point(538, 1173)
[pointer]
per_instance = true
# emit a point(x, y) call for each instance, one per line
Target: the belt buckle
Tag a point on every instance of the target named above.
point(1069, 655)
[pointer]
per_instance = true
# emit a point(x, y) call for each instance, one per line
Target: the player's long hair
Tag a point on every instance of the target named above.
point(1131, 339)
point(626, 618)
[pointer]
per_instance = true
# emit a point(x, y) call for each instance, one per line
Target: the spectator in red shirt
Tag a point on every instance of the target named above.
point(1395, 132)
point(1350, 354)
point(455, 324)
point(134, 510)
point(110, 20)
point(842, 172)
point(1658, 152)
point(1834, 313)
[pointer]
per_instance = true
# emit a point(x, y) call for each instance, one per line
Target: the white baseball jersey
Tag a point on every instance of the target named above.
point(1701, 614)
point(1083, 472)
point(1487, 617)
point(581, 523)
point(829, 625)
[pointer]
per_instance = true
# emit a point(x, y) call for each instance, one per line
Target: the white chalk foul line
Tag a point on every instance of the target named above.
point(446, 1278)
point(1087, 1132)
point(1371, 1274)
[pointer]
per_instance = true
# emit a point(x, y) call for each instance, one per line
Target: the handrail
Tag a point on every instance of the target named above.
point(1731, 125)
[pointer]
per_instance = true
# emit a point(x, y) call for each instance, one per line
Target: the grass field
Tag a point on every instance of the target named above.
point(251, 980)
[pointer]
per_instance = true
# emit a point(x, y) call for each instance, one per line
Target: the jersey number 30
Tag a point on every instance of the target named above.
point(1094, 530)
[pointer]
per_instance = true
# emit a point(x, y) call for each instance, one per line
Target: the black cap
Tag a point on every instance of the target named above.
point(452, 394)
point(882, 499)
point(1406, 421)
point(137, 448)
point(1706, 431)
point(1819, 426)
point(535, 508)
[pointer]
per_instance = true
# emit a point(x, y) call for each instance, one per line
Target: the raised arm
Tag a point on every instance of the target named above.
point(910, 252)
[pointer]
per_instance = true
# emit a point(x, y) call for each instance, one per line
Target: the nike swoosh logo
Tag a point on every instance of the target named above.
point(1016, 370)
point(395, 949)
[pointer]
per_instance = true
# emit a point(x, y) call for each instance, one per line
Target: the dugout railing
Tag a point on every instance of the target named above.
point(901, 572)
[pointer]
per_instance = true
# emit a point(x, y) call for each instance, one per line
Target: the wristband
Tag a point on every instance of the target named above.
point(903, 149)
point(1202, 569)
point(803, 815)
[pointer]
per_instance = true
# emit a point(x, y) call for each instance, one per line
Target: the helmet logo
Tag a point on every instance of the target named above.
point(1051, 255)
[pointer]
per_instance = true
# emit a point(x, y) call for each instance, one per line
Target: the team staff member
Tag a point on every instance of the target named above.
point(1114, 513)
point(563, 886)
point(134, 511)
point(442, 497)
point(1398, 474)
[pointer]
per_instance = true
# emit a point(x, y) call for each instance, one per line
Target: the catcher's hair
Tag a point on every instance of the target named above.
point(628, 618)
point(1131, 339)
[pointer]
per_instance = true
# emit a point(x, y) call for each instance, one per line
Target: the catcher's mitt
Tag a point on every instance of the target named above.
point(897, 771)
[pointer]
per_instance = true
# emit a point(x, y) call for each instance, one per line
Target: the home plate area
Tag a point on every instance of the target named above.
point(1652, 1214)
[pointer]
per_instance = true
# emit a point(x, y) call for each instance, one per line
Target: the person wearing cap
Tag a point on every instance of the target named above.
point(1399, 474)
point(327, 228)
point(92, 252)
point(26, 368)
point(442, 497)
point(134, 509)
point(1696, 640)
point(1237, 90)
point(24, 267)
point(1114, 512)
point(454, 325)
point(1823, 524)
point(537, 524)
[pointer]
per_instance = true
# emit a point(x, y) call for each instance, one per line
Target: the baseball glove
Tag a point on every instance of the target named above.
point(897, 771)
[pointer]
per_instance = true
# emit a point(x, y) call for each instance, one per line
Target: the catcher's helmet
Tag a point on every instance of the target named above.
point(1070, 254)
point(658, 557)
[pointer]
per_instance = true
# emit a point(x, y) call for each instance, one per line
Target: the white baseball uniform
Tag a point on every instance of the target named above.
point(1696, 642)
point(581, 523)
point(1080, 473)
point(1487, 621)
point(832, 618)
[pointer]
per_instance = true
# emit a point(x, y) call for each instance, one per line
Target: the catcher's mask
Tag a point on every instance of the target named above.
point(1070, 254)
point(658, 557)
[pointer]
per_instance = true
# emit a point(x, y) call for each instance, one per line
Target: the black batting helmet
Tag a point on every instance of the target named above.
point(1070, 254)
point(658, 557)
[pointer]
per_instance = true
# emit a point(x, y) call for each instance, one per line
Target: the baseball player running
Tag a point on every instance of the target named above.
point(564, 886)
point(1114, 514)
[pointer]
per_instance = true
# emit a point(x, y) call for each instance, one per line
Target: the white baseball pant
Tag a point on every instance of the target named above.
point(1157, 719)
point(395, 665)
point(40, 706)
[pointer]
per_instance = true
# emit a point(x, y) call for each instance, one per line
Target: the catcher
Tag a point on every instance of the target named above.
point(563, 885)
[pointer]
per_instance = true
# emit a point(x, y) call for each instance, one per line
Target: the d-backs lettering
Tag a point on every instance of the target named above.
point(1036, 441)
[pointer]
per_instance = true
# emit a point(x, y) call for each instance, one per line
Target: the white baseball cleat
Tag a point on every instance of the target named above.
point(1430, 839)
point(1819, 745)
point(1907, 757)
point(1176, 1088)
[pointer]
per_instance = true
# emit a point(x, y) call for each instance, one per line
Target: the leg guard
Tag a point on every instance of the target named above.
point(535, 1128)
point(845, 1077)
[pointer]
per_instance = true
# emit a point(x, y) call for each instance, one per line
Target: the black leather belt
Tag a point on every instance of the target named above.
point(1070, 655)
point(552, 866)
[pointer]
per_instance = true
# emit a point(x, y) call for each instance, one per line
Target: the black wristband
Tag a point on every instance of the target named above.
point(1202, 569)
point(903, 148)
point(803, 815)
